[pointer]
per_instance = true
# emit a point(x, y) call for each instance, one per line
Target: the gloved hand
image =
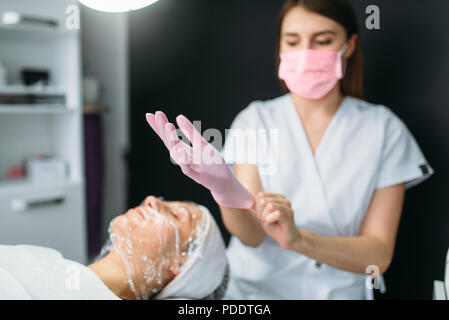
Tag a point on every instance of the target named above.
point(201, 162)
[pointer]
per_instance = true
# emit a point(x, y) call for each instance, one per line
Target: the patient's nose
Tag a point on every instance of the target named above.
point(149, 200)
point(155, 203)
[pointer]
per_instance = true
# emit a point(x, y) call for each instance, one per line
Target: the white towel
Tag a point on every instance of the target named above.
point(31, 272)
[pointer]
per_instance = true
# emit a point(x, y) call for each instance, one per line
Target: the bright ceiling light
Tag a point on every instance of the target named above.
point(117, 5)
point(10, 17)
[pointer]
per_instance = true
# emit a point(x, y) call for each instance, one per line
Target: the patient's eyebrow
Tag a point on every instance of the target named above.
point(173, 214)
point(188, 210)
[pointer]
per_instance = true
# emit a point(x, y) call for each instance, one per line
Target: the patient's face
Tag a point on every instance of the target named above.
point(153, 240)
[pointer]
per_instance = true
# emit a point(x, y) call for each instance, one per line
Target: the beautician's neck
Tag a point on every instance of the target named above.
point(328, 104)
point(112, 272)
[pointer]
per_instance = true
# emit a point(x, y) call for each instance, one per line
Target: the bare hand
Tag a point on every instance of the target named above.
point(276, 215)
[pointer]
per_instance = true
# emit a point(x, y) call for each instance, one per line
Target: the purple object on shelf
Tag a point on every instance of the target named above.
point(93, 153)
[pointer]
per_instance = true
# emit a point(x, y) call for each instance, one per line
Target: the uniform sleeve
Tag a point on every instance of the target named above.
point(402, 158)
point(241, 138)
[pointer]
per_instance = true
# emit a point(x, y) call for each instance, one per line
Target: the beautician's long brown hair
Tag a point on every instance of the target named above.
point(342, 12)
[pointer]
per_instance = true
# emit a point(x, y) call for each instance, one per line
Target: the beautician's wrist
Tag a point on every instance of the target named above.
point(235, 196)
point(297, 241)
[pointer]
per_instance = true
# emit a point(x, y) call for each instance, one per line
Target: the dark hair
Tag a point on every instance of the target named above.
point(342, 12)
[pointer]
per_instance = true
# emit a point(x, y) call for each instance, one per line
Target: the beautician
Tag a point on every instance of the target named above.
point(329, 213)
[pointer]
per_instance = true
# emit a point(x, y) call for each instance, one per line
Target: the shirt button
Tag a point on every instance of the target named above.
point(318, 264)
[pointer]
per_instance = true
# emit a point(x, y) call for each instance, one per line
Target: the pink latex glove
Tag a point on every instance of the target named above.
point(201, 162)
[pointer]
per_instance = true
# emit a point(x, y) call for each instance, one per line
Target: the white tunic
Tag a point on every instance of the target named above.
point(365, 147)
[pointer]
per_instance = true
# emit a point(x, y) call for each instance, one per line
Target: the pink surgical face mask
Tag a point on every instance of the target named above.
point(310, 73)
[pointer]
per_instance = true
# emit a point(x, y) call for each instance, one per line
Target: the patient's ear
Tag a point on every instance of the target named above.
point(175, 268)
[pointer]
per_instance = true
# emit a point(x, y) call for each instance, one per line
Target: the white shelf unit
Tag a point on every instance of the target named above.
point(21, 109)
point(55, 130)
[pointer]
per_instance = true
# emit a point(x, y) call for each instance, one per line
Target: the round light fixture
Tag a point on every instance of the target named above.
point(117, 5)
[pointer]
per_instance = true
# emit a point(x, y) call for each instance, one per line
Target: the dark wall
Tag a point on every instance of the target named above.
point(407, 69)
point(205, 59)
point(209, 59)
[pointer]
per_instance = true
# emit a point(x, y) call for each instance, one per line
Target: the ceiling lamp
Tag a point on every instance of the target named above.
point(117, 5)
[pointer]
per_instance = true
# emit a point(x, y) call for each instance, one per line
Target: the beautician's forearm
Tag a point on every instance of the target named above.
point(352, 254)
point(244, 225)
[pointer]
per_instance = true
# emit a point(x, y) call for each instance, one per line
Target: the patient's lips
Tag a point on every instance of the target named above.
point(134, 216)
point(141, 212)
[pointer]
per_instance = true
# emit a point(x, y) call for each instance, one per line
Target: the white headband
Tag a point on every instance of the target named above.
point(204, 270)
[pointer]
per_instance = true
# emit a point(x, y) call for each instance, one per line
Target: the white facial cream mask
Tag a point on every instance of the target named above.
point(149, 245)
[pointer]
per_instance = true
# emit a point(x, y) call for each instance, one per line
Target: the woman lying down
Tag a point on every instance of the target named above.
point(159, 250)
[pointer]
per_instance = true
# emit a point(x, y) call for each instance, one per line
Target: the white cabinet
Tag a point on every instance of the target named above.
point(45, 215)
point(42, 213)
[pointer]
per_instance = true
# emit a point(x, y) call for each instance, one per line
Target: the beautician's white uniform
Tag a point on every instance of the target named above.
point(365, 147)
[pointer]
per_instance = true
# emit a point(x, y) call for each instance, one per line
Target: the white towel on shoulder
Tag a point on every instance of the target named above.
point(31, 272)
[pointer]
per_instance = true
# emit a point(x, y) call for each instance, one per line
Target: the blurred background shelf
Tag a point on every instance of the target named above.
point(25, 185)
point(35, 109)
point(19, 32)
point(21, 89)
point(42, 118)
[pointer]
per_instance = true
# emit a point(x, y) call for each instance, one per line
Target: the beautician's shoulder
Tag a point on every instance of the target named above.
point(260, 112)
point(371, 113)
